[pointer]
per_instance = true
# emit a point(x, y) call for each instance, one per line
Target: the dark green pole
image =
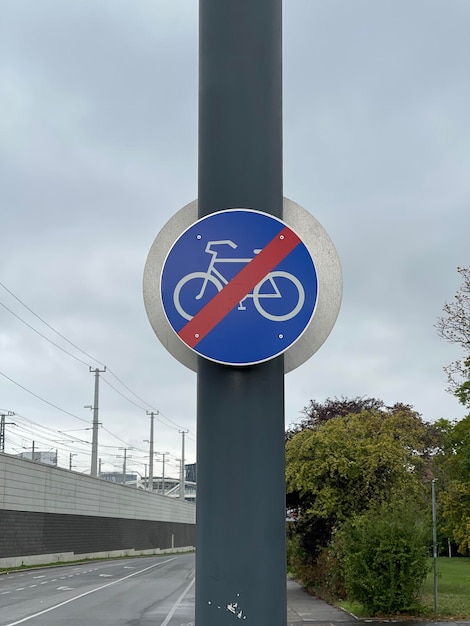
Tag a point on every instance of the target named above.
point(240, 557)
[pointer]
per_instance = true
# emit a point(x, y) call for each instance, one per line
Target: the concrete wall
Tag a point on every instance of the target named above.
point(51, 512)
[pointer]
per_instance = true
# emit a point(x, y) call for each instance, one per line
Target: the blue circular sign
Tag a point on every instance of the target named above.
point(239, 287)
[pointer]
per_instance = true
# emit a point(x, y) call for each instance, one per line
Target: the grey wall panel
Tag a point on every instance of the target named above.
point(31, 532)
point(35, 487)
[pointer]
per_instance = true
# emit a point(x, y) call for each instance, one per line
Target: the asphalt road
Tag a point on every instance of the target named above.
point(131, 592)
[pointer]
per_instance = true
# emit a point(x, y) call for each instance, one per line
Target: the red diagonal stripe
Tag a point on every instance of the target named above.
point(240, 285)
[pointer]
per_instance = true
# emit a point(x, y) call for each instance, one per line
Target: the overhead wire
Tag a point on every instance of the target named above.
point(42, 399)
point(41, 335)
point(82, 352)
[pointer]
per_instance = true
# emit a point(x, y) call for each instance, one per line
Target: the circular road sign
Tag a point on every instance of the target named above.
point(239, 287)
point(248, 294)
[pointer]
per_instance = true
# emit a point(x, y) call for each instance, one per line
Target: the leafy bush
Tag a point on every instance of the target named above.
point(384, 558)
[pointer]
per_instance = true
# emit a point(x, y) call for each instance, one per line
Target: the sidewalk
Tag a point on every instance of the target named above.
point(303, 608)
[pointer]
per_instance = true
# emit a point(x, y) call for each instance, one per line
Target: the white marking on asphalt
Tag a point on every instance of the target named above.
point(167, 619)
point(64, 588)
point(4, 593)
point(31, 586)
point(42, 576)
point(19, 589)
point(87, 593)
point(106, 575)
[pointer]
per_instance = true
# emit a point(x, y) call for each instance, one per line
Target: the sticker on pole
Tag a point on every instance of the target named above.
point(239, 287)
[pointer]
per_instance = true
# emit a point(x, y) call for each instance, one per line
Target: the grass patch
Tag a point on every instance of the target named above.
point(453, 585)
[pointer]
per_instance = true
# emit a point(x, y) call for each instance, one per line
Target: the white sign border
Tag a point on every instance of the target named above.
point(327, 265)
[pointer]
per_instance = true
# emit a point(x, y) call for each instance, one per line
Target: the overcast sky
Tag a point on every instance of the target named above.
point(98, 149)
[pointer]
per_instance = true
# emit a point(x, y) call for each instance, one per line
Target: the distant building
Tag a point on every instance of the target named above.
point(40, 456)
point(118, 477)
point(190, 472)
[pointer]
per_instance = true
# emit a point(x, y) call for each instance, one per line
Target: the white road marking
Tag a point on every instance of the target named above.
point(167, 619)
point(106, 575)
point(42, 576)
point(19, 589)
point(4, 593)
point(31, 586)
point(87, 593)
point(65, 588)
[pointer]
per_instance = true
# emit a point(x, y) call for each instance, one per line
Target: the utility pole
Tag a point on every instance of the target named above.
point(163, 455)
point(183, 434)
point(124, 463)
point(94, 441)
point(152, 416)
point(2, 428)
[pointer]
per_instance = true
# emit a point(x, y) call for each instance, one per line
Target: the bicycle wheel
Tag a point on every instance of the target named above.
point(258, 296)
point(194, 293)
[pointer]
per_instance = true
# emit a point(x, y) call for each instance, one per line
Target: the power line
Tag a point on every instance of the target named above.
point(175, 425)
point(49, 326)
point(42, 399)
point(41, 335)
point(57, 407)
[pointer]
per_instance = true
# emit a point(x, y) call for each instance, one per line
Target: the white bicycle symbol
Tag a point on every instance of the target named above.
point(214, 276)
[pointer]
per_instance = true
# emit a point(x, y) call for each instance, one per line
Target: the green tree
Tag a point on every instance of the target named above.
point(384, 556)
point(346, 464)
point(452, 467)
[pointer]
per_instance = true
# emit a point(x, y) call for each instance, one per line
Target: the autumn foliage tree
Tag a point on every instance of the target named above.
point(454, 327)
point(453, 460)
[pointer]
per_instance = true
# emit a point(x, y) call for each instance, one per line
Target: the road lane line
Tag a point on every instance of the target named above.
point(175, 606)
point(87, 593)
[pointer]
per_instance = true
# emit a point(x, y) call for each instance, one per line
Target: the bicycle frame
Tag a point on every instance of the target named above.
point(211, 269)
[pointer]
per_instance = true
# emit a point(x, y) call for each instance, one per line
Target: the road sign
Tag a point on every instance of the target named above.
point(239, 287)
point(312, 234)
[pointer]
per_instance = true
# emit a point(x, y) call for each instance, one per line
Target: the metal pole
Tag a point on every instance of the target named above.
point(3, 423)
point(163, 455)
point(182, 433)
point(240, 557)
point(94, 440)
point(124, 467)
point(163, 472)
point(434, 540)
point(150, 482)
